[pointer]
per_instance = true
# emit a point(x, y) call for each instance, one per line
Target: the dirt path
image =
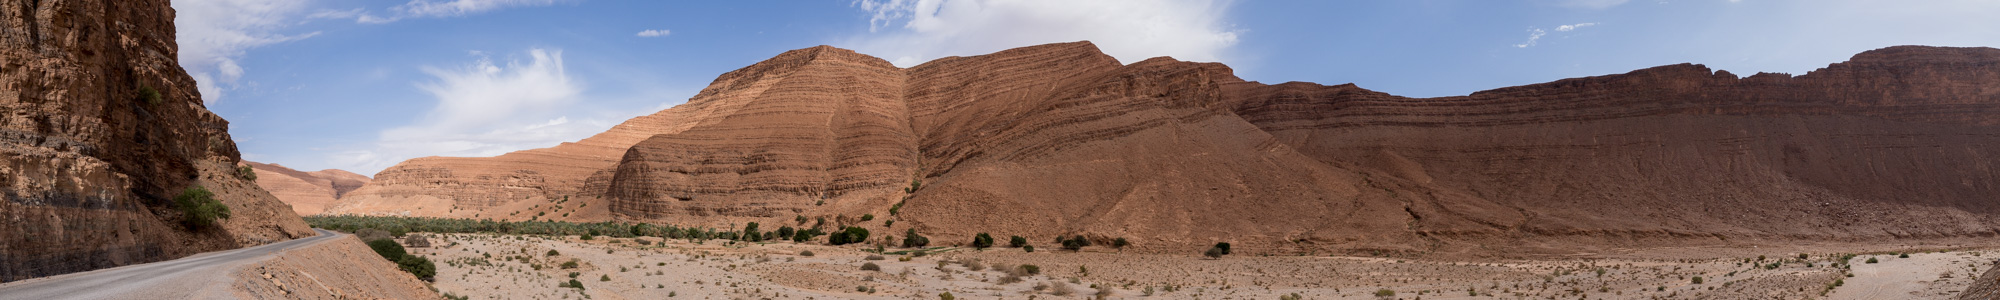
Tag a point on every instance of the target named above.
point(202, 276)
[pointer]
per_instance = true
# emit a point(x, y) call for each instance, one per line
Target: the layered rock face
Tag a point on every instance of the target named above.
point(309, 193)
point(1061, 139)
point(99, 129)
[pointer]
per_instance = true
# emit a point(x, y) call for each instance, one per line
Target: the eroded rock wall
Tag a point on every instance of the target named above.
point(99, 128)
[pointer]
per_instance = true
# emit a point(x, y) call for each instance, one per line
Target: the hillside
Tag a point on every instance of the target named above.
point(1062, 139)
point(102, 129)
point(308, 192)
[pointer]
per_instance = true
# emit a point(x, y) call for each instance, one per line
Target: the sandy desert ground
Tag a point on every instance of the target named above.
point(485, 266)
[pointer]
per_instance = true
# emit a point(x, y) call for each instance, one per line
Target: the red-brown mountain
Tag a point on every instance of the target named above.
point(1061, 139)
point(99, 129)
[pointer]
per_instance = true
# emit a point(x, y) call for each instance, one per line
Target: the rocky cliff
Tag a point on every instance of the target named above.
point(1061, 139)
point(99, 129)
point(309, 193)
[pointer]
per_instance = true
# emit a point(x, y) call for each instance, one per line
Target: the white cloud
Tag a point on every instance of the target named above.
point(654, 33)
point(485, 109)
point(1533, 35)
point(214, 34)
point(447, 8)
point(1574, 27)
point(1130, 30)
point(1592, 4)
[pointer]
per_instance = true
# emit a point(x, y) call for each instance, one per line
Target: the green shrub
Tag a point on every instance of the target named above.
point(199, 207)
point(982, 240)
point(1902, 255)
point(246, 173)
point(1872, 260)
point(415, 265)
point(946, 296)
point(1385, 293)
point(1120, 243)
point(1076, 243)
point(1028, 248)
point(575, 284)
point(607, 277)
point(1697, 280)
point(913, 240)
point(867, 217)
point(553, 252)
point(150, 95)
point(750, 233)
point(571, 264)
point(849, 235)
point(1031, 269)
point(1224, 247)
point(870, 267)
point(1017, 241)
point(783, 233)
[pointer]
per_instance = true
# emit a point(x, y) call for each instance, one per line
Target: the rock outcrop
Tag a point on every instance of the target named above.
point(99, 129)
point(309, 193)
point(1061, 139)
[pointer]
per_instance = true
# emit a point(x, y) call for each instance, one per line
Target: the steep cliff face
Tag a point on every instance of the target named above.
point(809, 127)
point(1061, 139)
point(308, 193)
point(100, 128)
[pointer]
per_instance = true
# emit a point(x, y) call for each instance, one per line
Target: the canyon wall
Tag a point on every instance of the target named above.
point(99, 129)
point(1061, 139)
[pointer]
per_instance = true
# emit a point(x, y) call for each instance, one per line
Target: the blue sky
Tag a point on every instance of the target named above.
point(362, 85)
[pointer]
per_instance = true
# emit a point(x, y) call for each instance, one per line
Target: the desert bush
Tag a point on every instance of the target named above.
point(946, 296)
point(606, 277)
point(1224, 247)
point(867, 217)
point(1697, 280)
point(1385, 293)
point(246, 173)
point(806, 253)
point(199, 207)
point(1028, 248)
point(873, 257)
point(1061, 289)
point(422, 267)
point(1017, 241)
point(571, 264)
point(575, 284)
point(1214, 252)
point(1898, 255)
point(418, 241)
point(750, 233)
point(974, 265)
point(913, 240)
point(1120, 243)
point(982, 240)
point(552, 252)
point(1031, 269)
point(783, 233)
point(1075, 243)
point(849, 235)
point(870, 267)
point(1872, 260)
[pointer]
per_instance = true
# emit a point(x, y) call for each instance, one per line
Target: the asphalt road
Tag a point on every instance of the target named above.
point(201, 276)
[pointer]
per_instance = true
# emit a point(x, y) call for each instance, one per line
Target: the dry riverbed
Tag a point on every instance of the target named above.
point(486, 266)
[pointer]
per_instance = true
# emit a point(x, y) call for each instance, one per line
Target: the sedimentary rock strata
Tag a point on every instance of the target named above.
point(1061, 139)
point(309, 193)
point(99, 129)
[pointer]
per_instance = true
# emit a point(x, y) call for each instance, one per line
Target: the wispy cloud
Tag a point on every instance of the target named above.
point(1535, 34)
point(654, 33)
point(1574, 26)
point(447, 8)
point(1591, 4)
point(213, 35)
point(910, 32)
point(484, 109)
